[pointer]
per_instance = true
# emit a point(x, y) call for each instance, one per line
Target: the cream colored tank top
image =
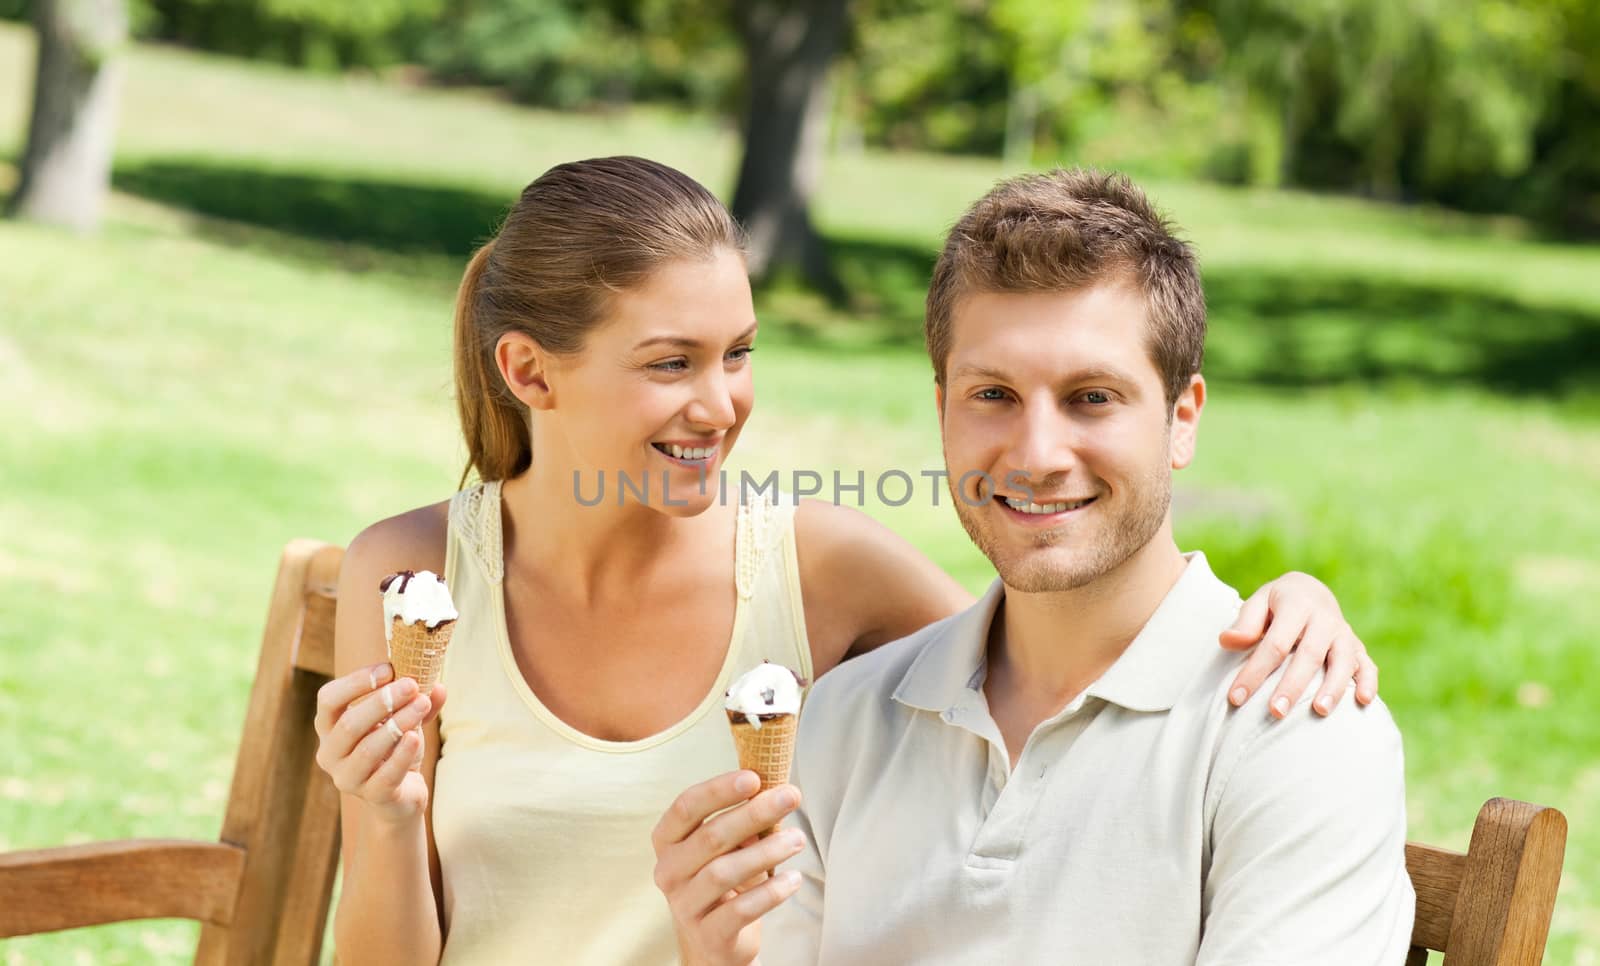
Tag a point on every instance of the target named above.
point(544, 832)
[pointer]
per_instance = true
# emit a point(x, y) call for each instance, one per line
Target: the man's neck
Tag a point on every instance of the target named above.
point(1046, 648)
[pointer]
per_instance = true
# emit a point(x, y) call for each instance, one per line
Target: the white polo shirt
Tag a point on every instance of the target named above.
point(1146, 823)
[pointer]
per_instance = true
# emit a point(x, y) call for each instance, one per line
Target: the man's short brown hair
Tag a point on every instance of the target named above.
point(1068, 230)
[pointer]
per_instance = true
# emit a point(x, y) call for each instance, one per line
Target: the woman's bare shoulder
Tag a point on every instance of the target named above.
point(413, 540)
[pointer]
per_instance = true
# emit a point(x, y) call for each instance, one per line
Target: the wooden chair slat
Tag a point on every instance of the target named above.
point(269, 783)
point(43, 890)
point(312, 870)
point(1436, 878)
point(1508, 892)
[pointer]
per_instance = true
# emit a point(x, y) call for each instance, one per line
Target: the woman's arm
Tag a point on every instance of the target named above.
point(390, 907)
point(864, 585)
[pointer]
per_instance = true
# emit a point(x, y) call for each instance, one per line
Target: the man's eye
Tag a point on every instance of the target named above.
point(1096, 397)
point(990, 395)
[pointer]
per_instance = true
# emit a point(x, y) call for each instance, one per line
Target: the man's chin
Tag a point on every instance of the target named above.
point(1044, 570)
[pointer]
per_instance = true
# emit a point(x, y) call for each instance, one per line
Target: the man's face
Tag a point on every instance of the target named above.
point(1055, 397)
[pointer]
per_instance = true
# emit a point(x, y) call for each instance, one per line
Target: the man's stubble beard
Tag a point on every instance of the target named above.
point(1124, 535)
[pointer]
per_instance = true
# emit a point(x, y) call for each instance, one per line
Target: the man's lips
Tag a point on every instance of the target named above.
point(1027, 511)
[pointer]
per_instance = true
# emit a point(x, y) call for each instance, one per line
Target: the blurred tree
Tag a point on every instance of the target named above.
point(789, 49)
point(66, 166)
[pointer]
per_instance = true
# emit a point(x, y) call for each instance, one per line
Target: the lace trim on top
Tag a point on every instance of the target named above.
point(475, 519)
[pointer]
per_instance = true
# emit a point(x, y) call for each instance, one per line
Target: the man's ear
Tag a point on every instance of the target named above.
point(525, 366)
point(938, 401)
point(1186, 421)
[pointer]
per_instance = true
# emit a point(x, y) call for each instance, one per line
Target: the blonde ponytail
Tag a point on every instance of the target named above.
point(493, 422)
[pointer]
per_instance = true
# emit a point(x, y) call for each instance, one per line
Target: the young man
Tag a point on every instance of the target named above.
point(1054, 774)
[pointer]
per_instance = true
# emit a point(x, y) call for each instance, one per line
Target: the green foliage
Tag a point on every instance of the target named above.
point(307, 33)
point(567, 53)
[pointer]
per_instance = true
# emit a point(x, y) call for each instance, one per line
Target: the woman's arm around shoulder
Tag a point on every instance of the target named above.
point(379, 740)
point(863, 584)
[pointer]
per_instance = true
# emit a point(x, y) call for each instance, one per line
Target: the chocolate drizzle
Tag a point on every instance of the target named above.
point(404, 577)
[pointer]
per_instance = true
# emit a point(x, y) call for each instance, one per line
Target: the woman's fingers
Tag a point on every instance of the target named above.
point(1341, 664)
point(1309, 653)
point(732, 874)
point(1251, 623)
point(336, 695)
point(1366, 678)
point(383, 785)
point(366, 713)
point(1268, 656)
point(353, 770)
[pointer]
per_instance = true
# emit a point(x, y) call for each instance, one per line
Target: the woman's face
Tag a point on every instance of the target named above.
point(657, 397)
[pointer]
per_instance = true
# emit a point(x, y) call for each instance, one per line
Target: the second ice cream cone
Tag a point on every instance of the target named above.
point(767, 750)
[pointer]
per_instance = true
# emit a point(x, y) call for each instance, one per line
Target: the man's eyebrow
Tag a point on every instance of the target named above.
point(683, 342)
point(1086, 374)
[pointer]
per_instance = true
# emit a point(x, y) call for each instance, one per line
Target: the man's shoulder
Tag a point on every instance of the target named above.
point(861, 684)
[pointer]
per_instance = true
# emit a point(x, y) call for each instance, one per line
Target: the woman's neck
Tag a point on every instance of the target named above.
point(587, 553)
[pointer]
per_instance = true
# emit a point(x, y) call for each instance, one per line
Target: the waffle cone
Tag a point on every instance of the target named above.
point(767, 750)
point(417, 652)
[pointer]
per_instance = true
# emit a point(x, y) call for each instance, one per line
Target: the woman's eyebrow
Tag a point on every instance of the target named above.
point(684, 342)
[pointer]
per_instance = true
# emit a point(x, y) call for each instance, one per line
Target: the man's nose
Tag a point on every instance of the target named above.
point(1040, 447)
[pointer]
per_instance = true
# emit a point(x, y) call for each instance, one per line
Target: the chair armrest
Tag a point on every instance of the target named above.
point(42, 890)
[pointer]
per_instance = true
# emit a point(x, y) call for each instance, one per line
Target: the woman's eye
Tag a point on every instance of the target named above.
point(671, 365)
point(741, 354)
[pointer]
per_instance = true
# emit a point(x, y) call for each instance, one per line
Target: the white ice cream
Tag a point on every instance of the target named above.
point(418, 597)
point(766, 688)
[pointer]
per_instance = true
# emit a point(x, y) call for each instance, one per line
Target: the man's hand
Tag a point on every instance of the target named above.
point(714, 870)
point(1297, 614)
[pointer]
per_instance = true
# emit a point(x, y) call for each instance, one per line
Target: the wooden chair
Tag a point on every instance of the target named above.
point(262, 891)
point(1491, 906)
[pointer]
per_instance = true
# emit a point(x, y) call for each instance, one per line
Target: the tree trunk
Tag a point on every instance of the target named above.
point(789, 48)
point(66, 167)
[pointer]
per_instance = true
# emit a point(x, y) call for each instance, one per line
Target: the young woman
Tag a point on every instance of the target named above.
point(608, 330)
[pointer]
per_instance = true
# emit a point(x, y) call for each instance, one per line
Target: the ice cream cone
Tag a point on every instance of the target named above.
point(417, 651)
point(767, 750)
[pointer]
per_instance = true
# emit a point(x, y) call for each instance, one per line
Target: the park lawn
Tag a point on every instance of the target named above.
point(257, 348)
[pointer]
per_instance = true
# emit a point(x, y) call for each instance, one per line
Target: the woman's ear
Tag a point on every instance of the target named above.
point(525, 366)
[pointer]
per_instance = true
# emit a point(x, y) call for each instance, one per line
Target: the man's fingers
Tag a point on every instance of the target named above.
point(690, 809)
point(336, 695)
point(737, 872)
point(1251, 623)
point(724, 832)
point(747, 907)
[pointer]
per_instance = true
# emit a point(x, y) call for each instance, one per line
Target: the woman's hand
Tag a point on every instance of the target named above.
point(714, 870)
point(369, 739)
point(1298, 614)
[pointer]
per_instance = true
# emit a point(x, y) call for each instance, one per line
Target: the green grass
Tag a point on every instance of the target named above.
point(1403, 403)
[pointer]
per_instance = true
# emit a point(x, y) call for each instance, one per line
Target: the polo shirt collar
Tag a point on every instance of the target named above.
point(951, 665)
point(1150, 675)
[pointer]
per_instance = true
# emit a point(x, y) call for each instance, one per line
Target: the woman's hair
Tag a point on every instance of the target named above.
point(580, 233)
